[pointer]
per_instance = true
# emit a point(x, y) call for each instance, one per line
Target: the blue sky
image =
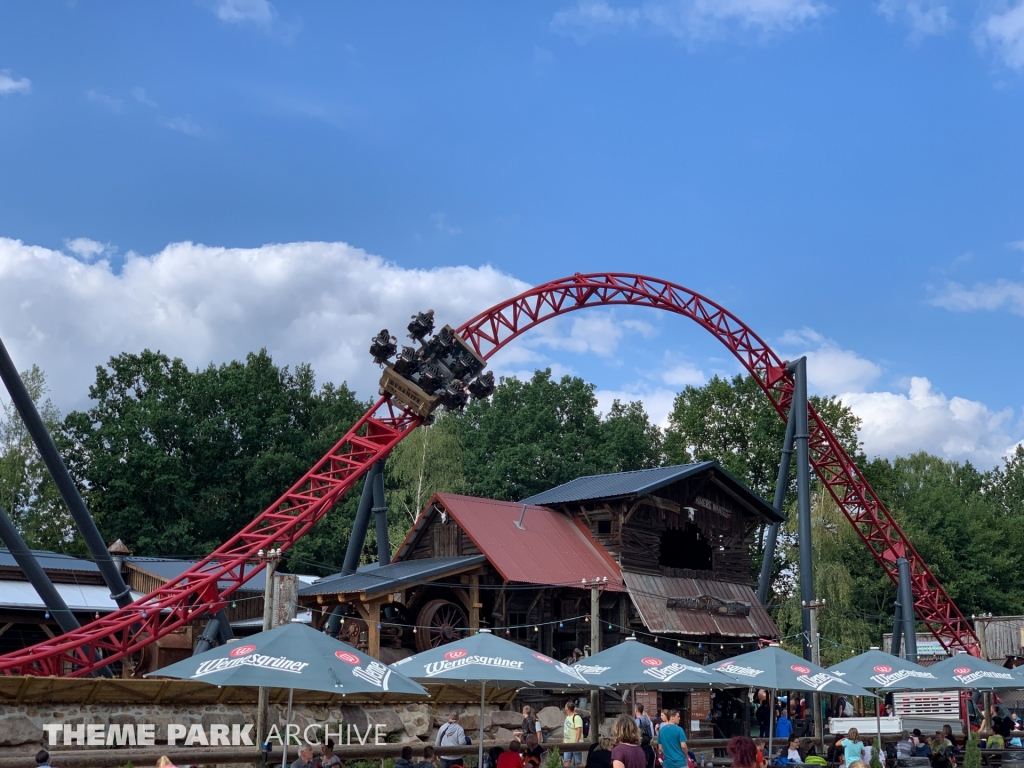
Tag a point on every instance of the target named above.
point(848, 178)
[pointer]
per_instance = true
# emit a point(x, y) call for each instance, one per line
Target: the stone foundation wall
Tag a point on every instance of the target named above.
point(21, 726)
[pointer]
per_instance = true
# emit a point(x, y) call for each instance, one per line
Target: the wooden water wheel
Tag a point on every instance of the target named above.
point(440, 622)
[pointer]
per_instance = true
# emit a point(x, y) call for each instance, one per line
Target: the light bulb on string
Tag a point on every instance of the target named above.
point(536, 629)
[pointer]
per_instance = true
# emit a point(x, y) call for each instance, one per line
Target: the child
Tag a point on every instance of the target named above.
point(853, 749)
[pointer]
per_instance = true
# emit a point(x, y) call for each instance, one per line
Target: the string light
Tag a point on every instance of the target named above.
point(536, 629)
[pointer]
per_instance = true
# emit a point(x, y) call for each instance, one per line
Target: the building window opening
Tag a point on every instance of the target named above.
point(604, 526)
point(685, 547)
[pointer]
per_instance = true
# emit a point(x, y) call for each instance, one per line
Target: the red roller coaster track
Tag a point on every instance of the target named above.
point(207, 586)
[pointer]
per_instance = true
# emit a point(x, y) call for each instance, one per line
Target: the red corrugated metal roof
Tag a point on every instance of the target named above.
point(650, 594)
point(554, 548)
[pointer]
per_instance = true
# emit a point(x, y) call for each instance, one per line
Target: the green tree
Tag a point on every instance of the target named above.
point(733, 422)
point(27, 491)
point(969, 536)
point(176, 461)
point(629, 440)
point(531, 436)
point(838, 555)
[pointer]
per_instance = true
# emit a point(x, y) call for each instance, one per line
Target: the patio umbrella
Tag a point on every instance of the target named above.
point(292, 656)
point(485, 658)
point(885, 672)
point(631, 664)
point(776, 669)
point(966, 673)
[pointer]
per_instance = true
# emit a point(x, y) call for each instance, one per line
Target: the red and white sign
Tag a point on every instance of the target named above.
point(800, 670)
point(651, 662)
point(961, 670)
point(242, 650)
point(543, 658)
point(348, 658)
point(882, 669)
point(456, 654)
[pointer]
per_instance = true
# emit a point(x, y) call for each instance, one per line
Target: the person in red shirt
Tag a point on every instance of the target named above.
point(511, 758)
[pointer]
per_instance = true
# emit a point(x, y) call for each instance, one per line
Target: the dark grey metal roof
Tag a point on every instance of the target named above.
point(388, 578)
point(51, 561)
point(637, 483)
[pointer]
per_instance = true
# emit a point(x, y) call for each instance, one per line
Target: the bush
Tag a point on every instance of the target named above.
point(972, 752)
point(876, 754)
point(554, 759)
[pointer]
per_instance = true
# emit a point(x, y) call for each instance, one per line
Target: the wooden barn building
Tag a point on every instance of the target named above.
point(671, 547)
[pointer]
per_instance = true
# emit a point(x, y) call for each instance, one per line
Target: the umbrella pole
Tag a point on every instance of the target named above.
point(480, 750)
point(771, 724)
point(878, 722)
point(287, 722)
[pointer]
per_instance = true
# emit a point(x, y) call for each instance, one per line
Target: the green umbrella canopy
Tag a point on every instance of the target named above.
point(777, 669)
point(965, 672)
point(877, 669)
point(631, 664)
point(293, 656)
point(486, 658)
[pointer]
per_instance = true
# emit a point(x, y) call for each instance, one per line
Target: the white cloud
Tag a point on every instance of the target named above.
point(1005, 32)
point(896, 424)
point(830, 368)
point(689, 20)
point(1002, 293)
point(139, 94)
point(98, 97)
point(87, 249)
point(657, 401)
point(596, 331)
point(441, 224)
point(258, 12)
point(10, 84)
point(925, 18)
point(182, 124)
point(684, 374)
point(305, 302)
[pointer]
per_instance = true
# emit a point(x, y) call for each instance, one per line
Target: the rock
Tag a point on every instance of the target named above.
point(509, 719)
point(386, 717)
point(355, 715)
point(220, 719)
point(23, 751)
point(551, 719)
point(471, 723)
point(417, 724)
point(605, 729)
point(17, 730)
point(123, 720)
point(503, 735)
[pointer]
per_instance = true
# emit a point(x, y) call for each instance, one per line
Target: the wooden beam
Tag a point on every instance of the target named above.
point(636, 505)
point(660, 503)
point(6, 626)
point(474, 602)
point(373, 629)
point(48, 631)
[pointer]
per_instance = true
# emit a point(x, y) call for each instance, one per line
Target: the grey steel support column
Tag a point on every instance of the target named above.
point(361, 523)
point(907, 605)
point(334, 621)
point(208, 639)
point(119, 591)
point(380, 514)
point(897, 630)
point(36, 575)
point(218, 630)
point(768, 558)
point(225, 633)
point(798, 414)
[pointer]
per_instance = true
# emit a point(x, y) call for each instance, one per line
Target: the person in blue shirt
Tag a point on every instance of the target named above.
point(672, 740)
point(783, 727)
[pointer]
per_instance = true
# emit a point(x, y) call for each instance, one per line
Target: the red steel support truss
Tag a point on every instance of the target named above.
point(206, 587)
